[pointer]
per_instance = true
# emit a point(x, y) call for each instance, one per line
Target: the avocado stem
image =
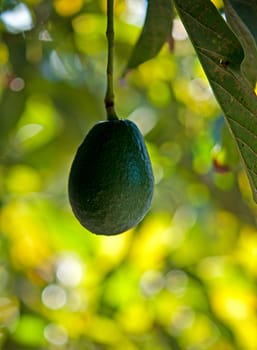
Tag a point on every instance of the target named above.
point(109, 97)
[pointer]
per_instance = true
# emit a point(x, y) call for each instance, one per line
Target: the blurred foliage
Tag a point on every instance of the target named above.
point(185, 278)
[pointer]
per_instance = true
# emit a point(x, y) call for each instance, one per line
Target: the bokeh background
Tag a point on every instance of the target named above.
point(185, 278)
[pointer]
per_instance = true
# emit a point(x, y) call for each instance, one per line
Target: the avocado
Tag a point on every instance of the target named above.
point(111, 179)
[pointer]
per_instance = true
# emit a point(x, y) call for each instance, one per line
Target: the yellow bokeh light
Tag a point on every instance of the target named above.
point(104, 330)
point(159, 93)
point(136, 318)
point(113, 249)
point(233, 304)
point(22, 179)
point(150, 245)
point(166, 307)
point(246, 333)
point(203, 332)
point(246, 251)
point(67, 7)
point(4, 54)
point(86, 24)
point(26, 232)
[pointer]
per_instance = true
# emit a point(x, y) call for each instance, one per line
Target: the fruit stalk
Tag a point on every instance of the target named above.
point(109, 97)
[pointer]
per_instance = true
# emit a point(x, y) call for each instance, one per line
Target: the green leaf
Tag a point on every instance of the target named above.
point(156, 31)
point(221, 55)
point(247, 11)
point(245, 37)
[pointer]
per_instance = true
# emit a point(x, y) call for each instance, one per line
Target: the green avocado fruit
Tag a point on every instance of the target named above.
point(111, 179)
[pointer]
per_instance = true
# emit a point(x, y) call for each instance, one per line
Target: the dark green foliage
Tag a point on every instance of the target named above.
point(155, 32)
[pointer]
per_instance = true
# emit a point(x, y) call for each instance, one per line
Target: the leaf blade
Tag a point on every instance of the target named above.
point(209, 30)
point(246, 39)
point(217, 48)
point(247, 11)
point(155, 32)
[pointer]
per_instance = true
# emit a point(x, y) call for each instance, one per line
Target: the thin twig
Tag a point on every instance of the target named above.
point(109, 97)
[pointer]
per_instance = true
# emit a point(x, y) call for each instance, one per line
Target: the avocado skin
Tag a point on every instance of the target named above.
point(111, 179)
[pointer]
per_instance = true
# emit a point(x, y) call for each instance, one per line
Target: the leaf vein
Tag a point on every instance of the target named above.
point(252, 171)
point(247, 145)
point(252, 114)
point(242, 126)
point(198, 22)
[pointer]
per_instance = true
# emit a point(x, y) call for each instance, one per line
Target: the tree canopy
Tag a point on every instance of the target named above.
point(185, 277)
